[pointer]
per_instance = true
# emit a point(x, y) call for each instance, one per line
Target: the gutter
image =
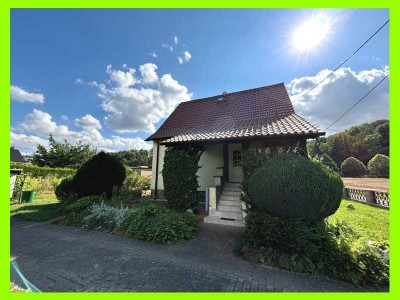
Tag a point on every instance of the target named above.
point(156, 182)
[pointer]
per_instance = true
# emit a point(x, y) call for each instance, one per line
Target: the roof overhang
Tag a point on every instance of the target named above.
point(168, 142)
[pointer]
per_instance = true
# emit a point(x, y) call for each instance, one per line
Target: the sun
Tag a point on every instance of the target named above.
point(310, 34)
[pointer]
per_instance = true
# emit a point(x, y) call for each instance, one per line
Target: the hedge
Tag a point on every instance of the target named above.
point(36, 171)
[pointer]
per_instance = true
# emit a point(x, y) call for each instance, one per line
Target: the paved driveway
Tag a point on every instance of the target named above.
point(60, 258)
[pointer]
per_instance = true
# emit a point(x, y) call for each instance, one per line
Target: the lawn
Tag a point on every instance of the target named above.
point(370, 222)
point(44, 207)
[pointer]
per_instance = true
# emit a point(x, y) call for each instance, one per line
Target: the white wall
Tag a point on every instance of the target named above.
point(211, 159)
point(160, 184)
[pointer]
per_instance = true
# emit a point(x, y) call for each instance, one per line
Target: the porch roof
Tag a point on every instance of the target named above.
point(261, 112)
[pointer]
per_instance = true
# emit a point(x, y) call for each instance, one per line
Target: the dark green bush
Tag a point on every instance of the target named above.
point(379, 166)
point(324, 249)
point(292, 186)
point(36, 171)
point(288, 235)
point(329, 162)
point(352, 167)
point(125, 198)
point(180, 177)
point(65, 189)
point(158, 224)
point(99, 175)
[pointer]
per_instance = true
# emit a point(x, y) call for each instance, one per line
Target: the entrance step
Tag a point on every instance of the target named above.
point(226, 214)
point(230, 193)
point(230, 198)
point(232, 184)
point(232, 189)
point(218, 220)
point(231, 208)
point(230, 202)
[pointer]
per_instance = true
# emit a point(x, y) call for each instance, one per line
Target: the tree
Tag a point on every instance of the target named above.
point(62, 154)
point(327, 161)
point(135, 158)
point(361, 141)
point(379, 166)
point(352, 167)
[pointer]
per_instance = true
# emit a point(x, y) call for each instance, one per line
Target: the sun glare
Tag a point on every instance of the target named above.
point(311, 33)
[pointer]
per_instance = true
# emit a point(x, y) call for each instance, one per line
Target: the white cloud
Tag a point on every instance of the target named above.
point(185, 58)
point(139, 107)
point(121, 78)
point(148, 72)
point(26, 144)
point(38, 124)
point(88, 121)
point(64, 117)
point(323, 105)
point(21, 95)
point(168, 46)
point(154, 54)
point(176, 40)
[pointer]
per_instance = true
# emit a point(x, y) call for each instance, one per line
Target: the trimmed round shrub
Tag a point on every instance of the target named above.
point(329, 162)
point(292, 186)
point(99, 175)
point(65, 189)
point(158, 224)
point(352, 167)
point(379, 166)
point(180, 177)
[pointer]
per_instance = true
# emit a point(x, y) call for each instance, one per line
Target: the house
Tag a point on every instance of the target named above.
point(15, 156)
point(225, 125)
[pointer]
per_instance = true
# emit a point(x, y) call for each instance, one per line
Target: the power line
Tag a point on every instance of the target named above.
point(369, 92)
point(342, 63)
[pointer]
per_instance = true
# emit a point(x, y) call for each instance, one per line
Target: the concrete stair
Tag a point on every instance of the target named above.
point(229, 210)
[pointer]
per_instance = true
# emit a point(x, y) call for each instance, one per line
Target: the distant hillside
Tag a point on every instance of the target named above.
point(361, 141)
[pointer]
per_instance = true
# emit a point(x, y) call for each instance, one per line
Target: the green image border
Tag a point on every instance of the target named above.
point(5, 7)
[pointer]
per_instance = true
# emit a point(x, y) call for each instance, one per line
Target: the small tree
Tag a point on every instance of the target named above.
point(99, 175)
point(62, 154)
point(352, 167)
point(180, 177)
point(379, 166)
point(328, 161)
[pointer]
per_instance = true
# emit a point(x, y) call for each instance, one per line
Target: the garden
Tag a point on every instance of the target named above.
point(300, 223)
point(105, 195)
point(294, 222)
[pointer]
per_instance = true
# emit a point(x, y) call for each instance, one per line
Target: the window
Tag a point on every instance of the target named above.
point(237, 158)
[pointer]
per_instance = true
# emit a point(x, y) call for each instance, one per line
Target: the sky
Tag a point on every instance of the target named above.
point(110, 77)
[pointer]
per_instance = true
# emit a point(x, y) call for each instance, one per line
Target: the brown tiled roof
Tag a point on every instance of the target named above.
point(261, 112)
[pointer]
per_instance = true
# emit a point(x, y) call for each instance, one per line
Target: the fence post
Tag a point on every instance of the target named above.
point(345, 195)
point(370, 196)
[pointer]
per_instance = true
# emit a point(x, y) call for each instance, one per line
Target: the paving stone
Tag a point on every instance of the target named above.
point(61, 258)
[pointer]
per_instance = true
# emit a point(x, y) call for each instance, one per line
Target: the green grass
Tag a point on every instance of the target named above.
point(44, 207)
point(372, 223)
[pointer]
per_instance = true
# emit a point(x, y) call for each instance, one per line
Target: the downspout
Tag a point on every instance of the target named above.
point(156, 182)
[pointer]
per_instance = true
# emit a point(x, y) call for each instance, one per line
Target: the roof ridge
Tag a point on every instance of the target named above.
point(233, 93)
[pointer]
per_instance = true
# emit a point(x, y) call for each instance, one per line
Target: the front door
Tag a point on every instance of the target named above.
point(235, 158)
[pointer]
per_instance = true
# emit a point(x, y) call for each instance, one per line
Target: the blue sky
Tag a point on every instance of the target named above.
point(60, 81)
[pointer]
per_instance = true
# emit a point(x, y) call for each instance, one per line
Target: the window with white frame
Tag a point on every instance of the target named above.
point(237, 158)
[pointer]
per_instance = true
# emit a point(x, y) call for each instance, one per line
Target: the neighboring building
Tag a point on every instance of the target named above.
point(143, 171)
point(225, 125)
point(15, 156)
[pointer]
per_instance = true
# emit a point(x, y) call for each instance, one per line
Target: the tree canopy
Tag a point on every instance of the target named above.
point(135, 158)
point(361, 141)
point(62, 154)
